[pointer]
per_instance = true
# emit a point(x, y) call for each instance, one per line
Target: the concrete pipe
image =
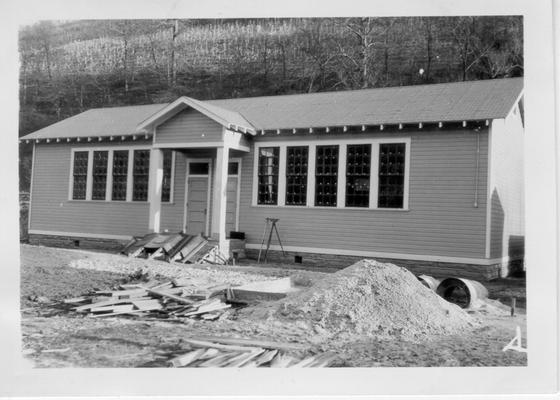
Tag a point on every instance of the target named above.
point(428, 281)
point(463, 292)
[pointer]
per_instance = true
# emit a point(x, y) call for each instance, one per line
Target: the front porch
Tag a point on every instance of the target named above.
point(208, 204)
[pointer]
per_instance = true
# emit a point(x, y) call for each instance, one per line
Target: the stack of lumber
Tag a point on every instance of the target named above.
point(213, 351)
point(166, 300)
point(175, 247)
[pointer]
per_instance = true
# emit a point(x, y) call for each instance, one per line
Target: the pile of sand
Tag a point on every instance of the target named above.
point(374, 299)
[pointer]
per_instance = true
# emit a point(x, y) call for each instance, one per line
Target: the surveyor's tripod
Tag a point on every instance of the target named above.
point(273, 227)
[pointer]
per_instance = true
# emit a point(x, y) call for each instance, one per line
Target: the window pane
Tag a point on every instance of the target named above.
point(99, 174)
point(391, 175)
point(167, 167)
point(358, 163)
point(326, 176)
point(140, 173)
point(296, 175)
point(80, 175)
point(198, 168)
point(120, 172)
point(233, 168)
point(268, 175)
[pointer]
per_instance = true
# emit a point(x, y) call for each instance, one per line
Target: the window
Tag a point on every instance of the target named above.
point(99, 174)
point(80, 172)
point(363, 172)
point(199, 168)
point(233, 168)
point(358, 170)
point(391, 175)
point(167, 170)
point(296, 175)
point(120, 173)
point(140, 175)
point(326, 176)
point(268, 175)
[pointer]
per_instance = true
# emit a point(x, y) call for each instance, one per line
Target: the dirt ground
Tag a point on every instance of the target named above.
point(55, 337)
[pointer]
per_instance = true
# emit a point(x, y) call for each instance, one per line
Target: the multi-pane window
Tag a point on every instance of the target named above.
point(358, 170)
point(296, 175)
point(167, 169)
point(268, 163)
point(391, 175)
point(326, 176)
point(80, 171)
point(140, 175)
point(99, 175)
point(120, 173)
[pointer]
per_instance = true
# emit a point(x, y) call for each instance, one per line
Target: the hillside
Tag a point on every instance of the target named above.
point(68, 67)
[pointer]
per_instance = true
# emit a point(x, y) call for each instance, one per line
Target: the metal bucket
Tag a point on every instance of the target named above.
point(463, 292)
point(428, 281)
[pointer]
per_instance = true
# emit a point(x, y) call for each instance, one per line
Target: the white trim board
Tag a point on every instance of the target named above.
point(79, 234)
point(401, 256)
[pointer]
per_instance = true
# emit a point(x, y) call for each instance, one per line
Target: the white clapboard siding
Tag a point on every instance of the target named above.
point(441, 220)
point(506, 192)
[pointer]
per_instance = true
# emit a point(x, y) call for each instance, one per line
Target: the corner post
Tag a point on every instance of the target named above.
point(220, 197)
point(154, 189)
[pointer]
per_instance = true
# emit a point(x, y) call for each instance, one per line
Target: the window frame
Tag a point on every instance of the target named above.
point(341, 184)
point(109, 183)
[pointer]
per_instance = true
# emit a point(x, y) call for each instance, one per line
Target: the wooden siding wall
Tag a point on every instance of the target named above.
point(190, 126)
point(506, 192)
point(441, 220)
point(52, 211)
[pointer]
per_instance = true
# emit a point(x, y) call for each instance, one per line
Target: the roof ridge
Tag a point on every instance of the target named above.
point(335, 92)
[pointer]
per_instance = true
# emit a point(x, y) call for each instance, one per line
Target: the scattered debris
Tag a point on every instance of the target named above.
point(163, 300)
point(515, 343)
point(175, 247)
point(244, 353)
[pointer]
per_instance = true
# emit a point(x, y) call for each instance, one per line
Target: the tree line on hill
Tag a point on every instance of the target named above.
point(69, 67)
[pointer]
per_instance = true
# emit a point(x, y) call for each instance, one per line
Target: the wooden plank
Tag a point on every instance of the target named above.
point(100, 304)
point(147, 305)
point(75, 300)
point(263, 358)
point(116, 313)
point(243, 358)
point(218, 361)
point(113, 308)
point(123, 293)
point(306, 362)
point(202, 343)
point(203, 310)
point(186, 359)
point(160, 293)
point(252, 342)
point(324, 360)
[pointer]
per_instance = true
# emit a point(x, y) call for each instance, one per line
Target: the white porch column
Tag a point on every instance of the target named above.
point(219, 199)
point(154, 188)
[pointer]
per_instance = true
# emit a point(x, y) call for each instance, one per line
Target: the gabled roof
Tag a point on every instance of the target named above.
point(222, 116)
point(444, 102)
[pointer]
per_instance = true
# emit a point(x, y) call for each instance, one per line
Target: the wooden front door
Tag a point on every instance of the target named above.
point(197, 205)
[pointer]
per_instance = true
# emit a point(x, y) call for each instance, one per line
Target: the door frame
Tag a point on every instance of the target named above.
point(187, 176)
point(238, 190)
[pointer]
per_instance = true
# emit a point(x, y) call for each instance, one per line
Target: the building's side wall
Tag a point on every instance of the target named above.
point(189, 126)
point(52, 211)
point(441, 221)
point(506, 195)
